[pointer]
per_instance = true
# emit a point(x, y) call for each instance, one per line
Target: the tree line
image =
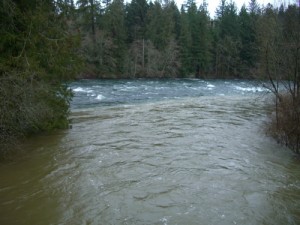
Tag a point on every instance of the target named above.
point(156, 39)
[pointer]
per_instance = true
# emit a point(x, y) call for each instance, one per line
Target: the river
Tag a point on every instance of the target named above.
point(155, 152)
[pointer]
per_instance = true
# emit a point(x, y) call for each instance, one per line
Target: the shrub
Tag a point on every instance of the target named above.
point(30, 107)
point(285, 122)
point(38, 55)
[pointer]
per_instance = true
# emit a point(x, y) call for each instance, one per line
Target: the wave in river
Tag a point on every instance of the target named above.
point(155, 152)
point(95, 92)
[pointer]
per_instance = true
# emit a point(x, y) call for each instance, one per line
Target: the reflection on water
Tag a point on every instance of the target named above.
point(191, 160)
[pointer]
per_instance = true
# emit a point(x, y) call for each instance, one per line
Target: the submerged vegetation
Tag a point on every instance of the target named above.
point(44, 43)
point(285, 123)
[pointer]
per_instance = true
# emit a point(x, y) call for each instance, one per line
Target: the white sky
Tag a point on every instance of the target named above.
point(213, 4)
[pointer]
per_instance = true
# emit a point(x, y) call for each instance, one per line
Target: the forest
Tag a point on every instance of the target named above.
point(157, 39)
point(46, 43)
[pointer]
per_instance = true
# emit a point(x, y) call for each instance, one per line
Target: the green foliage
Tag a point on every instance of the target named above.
point(136, 13)
point(115, 28)
point(119, 44)
point(227, 41)
point(249, 44)
point(195, 40)
point(157, 26)
point(37, 56)
point(185, 40)
point(89, 13)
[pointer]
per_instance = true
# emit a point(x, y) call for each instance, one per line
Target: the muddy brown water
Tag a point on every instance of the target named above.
point(183, 160)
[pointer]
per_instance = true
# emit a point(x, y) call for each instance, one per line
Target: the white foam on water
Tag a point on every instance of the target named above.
point(80, 89)
point(250, 89)
point(100, 97)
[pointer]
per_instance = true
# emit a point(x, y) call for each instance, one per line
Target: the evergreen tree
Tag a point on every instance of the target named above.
point(227, 42)
point(66, 8)
point(93, 41)
point(37, 56)
point(248, 37)
point(170, 53)
point(185, 40)
point(194, 50)
point(114, 27)
point(156, 53)
point(203, 41)
point(136, 13)
point(160, 24)
point(254, 8)
point(221, 9)
point(89, 11)
point(155, 25)
point(135, 20)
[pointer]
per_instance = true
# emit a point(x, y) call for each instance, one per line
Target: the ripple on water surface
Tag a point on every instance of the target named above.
point(192, 160)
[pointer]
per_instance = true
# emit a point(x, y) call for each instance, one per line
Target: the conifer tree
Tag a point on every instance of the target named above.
point(136, 13)
point(227, 42)
point(114, 28)
point(38, 55)
point(89, 11)
point(203, 40)
point(185, 40)
point(248, 37)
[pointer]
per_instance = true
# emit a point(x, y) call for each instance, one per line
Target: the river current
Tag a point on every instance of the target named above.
point(155, 152)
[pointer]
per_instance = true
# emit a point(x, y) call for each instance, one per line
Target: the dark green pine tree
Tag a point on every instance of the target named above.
point(227, 42)
point(176, 18)
point(136, 13)
point(88, 19)
point(221, 9)
point(248, 37)
point(38, 55)
point(66, 8)
point(185, 41)
point(194, 50)
point(203, 42)
point(156, 54)
point(161, 22)
point(195, 39)
point(154, 28)
point(291, 52)
point(254, 8)
point(114, 28)
point(88, 12)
